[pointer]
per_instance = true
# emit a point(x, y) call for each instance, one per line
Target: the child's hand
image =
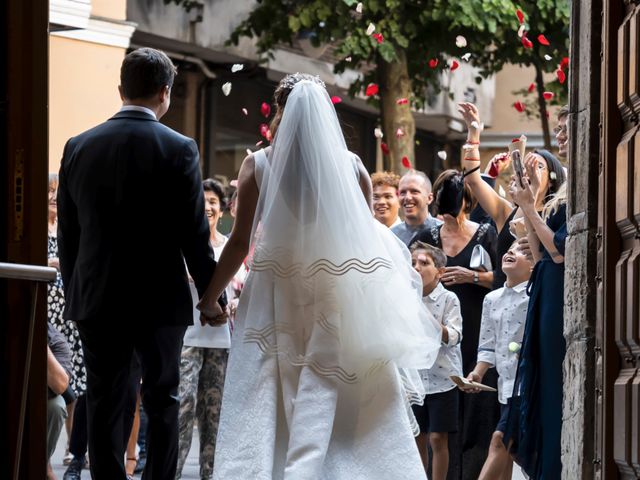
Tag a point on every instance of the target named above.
point(473, 377)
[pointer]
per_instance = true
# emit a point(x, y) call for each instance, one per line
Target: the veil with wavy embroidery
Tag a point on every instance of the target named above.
point(333, 266)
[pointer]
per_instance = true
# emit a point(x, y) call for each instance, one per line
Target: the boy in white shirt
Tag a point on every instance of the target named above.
point(438, 416)
point(503, 318)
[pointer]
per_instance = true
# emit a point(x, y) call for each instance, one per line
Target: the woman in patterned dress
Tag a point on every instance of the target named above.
point(55, 306)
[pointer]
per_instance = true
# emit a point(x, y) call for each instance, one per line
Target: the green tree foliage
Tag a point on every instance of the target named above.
point(414, 33)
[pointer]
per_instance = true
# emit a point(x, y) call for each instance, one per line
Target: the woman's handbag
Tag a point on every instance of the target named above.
point(480, 259)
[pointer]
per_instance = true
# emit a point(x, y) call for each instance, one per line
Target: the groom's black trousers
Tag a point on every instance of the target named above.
point(108, 349)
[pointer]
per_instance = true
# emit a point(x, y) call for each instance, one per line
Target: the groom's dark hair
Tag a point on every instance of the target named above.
point(144, 72)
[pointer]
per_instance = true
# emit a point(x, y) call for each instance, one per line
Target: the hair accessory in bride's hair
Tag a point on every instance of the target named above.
point(292, 79)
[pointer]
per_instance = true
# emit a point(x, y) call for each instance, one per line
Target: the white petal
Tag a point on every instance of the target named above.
point(371, 28)
point(245, 111)
point(399, 132)
point(348, 59)
point(249, 152)
point(501, 191)
point(548, 57)
point(477, 126)
point(521, 30)
point(461, 42)
point(466, 57)
point(226, 89)
point(236, 67)
point(359, 7)
point(378, 133)
point(442, 154)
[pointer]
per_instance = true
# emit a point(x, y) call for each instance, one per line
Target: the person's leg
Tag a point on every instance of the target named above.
point(210, 387)
point(107, 356)
point(56, 415)
point(422, 442)
point(78, 440)
point(498, 460)
point(159, 350)
point(132, 444)
point(190, 366)
point(439, 442)
point(68, 425)
point(131, 417)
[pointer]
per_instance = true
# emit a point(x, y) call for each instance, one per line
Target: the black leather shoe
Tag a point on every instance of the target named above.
point(74, 470)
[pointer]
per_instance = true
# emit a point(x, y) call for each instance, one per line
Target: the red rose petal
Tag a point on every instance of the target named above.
point(526, 43)
point(336, 99)
point(385, 148)
point(564, 63)
point(378, 36)
point(519, 106)
point(532, 87)
point(372, 89)
point(405, 162)
point(547, 95)
point(433, 63)
point(402, 101)
point(264, 131)
point(265, 109)
point(561, 75)
point(515, 140)
point(520, 16)
point(454, 65)
point(543, 40)
point(493, 169)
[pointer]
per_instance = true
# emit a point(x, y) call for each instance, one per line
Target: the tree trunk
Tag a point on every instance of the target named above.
point(542, 106)
point(394, 83)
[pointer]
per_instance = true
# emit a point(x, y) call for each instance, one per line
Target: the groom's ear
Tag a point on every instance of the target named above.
point(164, 94)
point(121, 94)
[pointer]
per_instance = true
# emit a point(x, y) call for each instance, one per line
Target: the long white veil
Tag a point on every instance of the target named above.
point(346, 297)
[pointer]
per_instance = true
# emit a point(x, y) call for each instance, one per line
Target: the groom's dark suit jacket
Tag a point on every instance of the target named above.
point(130, 207)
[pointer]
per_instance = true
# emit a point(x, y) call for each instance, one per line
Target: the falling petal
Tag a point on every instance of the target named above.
point(466, 57)
point(548, 57)
point(501, 191)
point(442, 154)
point(265, 109)
point(561, 75)
point(406, 163)
point(520, 16)
point(519, 106)
point(399, 133)
point(477, 126)
point(385, 148)
point(461, 42)
point(454, 65)
point(521, 30)
point(379, 38)
point(543, 40)
point(378, 133)
point(532, 87)
point(259, 143)
point(347, 59)
point(370, 29)
point(547, 95)
point(564, 63)
point(433, 63)
point(526, 43)
point(264, 130)
point(402, 101)
point(336, 99)
point(372, 89)
point(359, 7)
point(226, 89)
point(245, 111)
point(236, 67)
point(249, 152)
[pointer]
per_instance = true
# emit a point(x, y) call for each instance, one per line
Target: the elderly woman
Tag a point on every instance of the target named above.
point(551, 177)
point(458, 237)
point(204, 359)
point(385, 198)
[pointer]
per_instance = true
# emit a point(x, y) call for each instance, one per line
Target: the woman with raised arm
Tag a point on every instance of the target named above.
point(545, 172)
point(330, 327)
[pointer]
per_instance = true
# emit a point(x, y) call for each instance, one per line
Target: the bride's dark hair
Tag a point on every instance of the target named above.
point(282, 94)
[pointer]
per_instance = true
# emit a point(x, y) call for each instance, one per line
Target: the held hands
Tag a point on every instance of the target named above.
point(456, 276)
point(211, 313)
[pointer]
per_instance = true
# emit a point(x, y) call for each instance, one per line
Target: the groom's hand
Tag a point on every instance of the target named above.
point(213, 314)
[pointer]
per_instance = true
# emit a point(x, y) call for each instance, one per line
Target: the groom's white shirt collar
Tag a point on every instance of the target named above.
point(138, 108)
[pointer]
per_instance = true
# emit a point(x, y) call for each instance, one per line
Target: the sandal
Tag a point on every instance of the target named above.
point(130, 471)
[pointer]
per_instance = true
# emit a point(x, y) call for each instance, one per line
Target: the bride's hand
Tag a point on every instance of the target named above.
point(211, 313)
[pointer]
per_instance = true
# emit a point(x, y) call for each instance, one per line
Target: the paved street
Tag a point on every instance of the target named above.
point(190, 471)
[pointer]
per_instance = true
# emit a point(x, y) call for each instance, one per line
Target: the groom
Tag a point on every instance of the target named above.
point(130, 214)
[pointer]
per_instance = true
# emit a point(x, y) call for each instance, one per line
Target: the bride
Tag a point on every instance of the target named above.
point(330, 328)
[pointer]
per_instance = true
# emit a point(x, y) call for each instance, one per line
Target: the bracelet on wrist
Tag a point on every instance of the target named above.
point(471, 159)
point(469, 142)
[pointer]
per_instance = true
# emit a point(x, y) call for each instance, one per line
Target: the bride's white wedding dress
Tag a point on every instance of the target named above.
point(330, 327)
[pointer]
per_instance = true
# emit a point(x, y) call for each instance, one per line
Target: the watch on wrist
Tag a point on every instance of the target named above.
point(476, 277)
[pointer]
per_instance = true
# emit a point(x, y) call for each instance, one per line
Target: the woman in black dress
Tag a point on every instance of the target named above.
point(458, 237)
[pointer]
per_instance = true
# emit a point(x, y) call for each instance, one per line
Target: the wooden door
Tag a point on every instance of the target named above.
point(618, 322)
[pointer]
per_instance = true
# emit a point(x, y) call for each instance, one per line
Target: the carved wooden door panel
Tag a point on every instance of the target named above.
point(618, 344)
